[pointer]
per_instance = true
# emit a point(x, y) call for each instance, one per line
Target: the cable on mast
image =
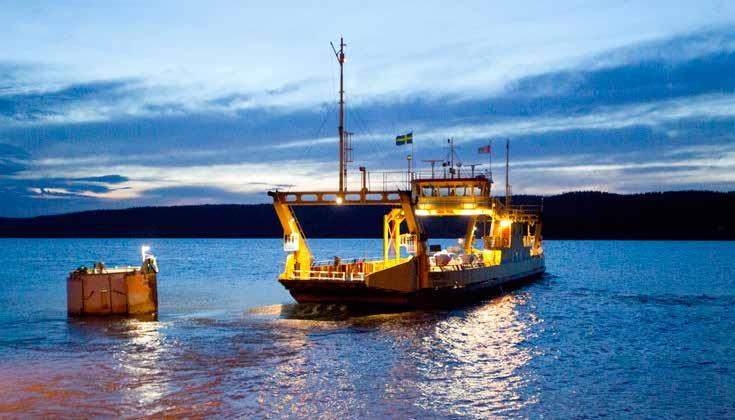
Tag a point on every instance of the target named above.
point(342, 164)
point(507, 172)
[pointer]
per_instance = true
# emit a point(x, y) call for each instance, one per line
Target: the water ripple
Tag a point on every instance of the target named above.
point(651, 340)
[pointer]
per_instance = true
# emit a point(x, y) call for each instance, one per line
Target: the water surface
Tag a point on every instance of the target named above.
point(618, 328)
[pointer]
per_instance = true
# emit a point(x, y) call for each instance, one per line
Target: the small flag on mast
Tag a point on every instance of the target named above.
point(404, 139)
point(484, 149)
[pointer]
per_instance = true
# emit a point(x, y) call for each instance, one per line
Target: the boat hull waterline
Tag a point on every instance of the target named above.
point(493, 281)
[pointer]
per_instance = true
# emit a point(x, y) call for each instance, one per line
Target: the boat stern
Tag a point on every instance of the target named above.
point(355, 283)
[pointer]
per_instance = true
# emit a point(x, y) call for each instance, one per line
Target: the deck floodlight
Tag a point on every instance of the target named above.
point(144, 251)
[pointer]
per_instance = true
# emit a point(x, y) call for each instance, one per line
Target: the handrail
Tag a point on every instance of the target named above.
point(328, 275)
point(343, 261)
point(353, 271)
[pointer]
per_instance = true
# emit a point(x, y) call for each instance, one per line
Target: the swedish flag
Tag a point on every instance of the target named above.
point(404, 139)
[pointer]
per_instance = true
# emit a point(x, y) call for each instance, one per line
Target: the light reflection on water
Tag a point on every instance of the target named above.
point(591, 339)
point(481, 351)
point(141, 361)
point(440, 362)
point(268, 361)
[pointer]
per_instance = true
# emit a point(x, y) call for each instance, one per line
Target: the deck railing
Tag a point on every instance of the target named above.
point(328, 275)
point(377, 181)
point(355, 270)
point(457, 267)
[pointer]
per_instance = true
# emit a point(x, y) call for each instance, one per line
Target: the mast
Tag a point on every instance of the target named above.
point(432, 162)
point(451, 157)
point(451, 151)
point(490, 160)
point(507, 172)
point(341, 60)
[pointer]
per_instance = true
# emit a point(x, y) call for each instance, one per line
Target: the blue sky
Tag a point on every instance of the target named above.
point(119, 104)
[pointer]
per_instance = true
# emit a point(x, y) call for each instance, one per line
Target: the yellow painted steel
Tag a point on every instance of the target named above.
point(415, 228)
point(391, 233)
point(300, 259)
point(327, 198)
point(469, 237)
point(428, 197)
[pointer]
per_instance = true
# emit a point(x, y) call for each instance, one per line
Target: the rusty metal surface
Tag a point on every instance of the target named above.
point(114, 292)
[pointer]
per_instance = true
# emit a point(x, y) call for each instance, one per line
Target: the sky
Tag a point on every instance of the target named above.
point(124, 104)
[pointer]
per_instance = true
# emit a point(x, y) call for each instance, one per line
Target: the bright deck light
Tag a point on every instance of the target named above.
point(144, 251)
point(339, 200)
point(504, 223)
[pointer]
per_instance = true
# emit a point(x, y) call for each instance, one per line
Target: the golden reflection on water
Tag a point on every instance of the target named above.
point(293, 360)
point(479, 371)
point(161, 377)
point(296, 390)
point(465, 363)
point(140, 363)
point(84, 379)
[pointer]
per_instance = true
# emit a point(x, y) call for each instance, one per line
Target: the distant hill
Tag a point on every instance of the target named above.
point(578, 215)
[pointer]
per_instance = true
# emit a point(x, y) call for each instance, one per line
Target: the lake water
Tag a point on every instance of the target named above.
point(616, 328)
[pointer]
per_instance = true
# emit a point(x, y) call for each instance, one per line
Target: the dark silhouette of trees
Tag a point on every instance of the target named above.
point(577, 215)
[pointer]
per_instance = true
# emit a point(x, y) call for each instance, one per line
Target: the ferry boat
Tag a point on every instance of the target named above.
point(412, 272)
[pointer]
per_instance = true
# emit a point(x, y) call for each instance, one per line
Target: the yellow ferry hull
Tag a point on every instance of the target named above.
point(447, 288)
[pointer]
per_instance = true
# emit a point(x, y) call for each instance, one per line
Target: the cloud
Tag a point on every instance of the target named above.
point(16, 184)
point(106, 179)
point(691, 64)
point(652, 80)
point(51, 187)
point(643, 114)
point(12, 159)
point(181, 195)
point(73, 103)
point(618, 121)
point(670, 50)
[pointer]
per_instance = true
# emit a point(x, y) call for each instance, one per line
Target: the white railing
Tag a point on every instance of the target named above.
point(379, 181)
point(455, 267)
point(343, 261)
point(327, 275)
point(355, 270)
point(462, 172)
point(291, 242)
point(408, 241)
